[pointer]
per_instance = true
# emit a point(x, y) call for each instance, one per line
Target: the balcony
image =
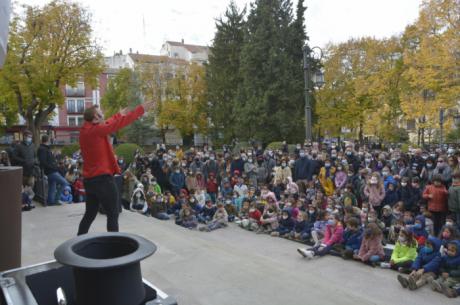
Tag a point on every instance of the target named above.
point(77, 91)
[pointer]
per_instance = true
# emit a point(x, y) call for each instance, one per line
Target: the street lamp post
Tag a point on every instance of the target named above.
point(310, 55)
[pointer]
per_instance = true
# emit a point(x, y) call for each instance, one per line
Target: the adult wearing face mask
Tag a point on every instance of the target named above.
point(352, 159)
point(210, 166)
point(24, 154)
point(100, 165)
point(303, 171)
point(443, 169)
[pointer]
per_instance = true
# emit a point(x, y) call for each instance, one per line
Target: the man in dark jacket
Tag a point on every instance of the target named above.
point(24, 155)
point(50, 167)
point(303, 171)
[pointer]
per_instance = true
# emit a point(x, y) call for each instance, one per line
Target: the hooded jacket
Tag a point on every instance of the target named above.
point(428, 261)
point(420, 234)
point(67, 198)
point(371, 246)
point(450, 264)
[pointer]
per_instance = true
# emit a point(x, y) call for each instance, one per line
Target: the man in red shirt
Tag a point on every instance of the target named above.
point(99, 163)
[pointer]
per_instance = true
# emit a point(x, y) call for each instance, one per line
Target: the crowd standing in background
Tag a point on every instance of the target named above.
point(382, 207)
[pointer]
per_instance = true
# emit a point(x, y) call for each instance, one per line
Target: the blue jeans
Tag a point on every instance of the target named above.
point(53, 179)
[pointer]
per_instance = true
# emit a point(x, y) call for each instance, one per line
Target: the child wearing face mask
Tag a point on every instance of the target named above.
point(352, 238)
point(326, 177)
point(404, 252)
point(319, 227)
point(375, 192)
point(418, 230)
point(219, 220)
point(437, 196)
point(448, 234)
point(340, 178)
point(333, 235)
point(371, 249)
point(449, 280)
point(391, 195)
point(286, 225)
point(425, 267)
point(302, 228)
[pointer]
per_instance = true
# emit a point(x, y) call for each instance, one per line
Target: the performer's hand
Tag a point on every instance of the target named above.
point(148, 105)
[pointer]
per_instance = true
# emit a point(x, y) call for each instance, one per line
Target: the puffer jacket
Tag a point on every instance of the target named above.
point(454, 198)
point(428, 261)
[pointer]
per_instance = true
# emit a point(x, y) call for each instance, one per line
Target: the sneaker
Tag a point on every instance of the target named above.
point(448, 292)
point(275, 234)
point(306, 253)
point(412, 283)
point(403, 281)
point(385, 265)
point(436, 286)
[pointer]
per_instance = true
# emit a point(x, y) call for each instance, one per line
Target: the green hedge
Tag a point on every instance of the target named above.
point(127, 151)
point(279, 145)
point(69, 150)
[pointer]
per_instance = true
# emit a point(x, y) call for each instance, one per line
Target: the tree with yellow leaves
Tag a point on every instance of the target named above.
point(185, 105)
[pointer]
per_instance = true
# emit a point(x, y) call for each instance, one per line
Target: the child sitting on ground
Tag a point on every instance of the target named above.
point(404, 252)
point(66, 196)
point(158, 208)
point(286, 225)
point(333, 235)
point(418, 230)
point(219, 220)
point(138, 200)
point(371, 250)
point(253, 221)
point(352, 238)
point(187, 218)
point(207, 213)
point(319, 228)
point(302, 228)
point(424, 267)
point(449, 281)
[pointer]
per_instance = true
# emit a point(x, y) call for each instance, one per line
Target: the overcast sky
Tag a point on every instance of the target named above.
point(144, 25)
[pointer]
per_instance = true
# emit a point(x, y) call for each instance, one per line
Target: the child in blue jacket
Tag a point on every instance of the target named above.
point(425, 266)
point(352, 238)
point(66, 196)
point(286, 225)
point(449, 267)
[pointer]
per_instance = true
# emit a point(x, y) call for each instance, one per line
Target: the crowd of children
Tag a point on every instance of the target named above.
point(378, 206)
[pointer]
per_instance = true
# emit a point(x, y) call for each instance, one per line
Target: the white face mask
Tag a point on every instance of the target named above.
point(138, 195)
point(373, 181)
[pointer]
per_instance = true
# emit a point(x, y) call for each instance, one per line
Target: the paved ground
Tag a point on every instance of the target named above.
point(229, 266)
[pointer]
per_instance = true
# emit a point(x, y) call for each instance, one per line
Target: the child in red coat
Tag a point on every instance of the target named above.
point(79, 190)
point(212, 187)
point(436, 194)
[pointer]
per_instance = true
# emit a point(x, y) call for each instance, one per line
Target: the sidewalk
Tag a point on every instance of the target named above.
point(229, 266)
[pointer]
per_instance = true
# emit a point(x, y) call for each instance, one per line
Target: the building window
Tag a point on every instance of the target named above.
point(71, 106)
point(78, 90)
point(75, 120)
point(411, 125)
point(75, 106)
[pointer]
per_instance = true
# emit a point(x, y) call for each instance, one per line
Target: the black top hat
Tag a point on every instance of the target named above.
point(106, 267)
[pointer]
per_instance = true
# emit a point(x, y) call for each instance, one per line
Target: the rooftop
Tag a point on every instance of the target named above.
point(190, 47)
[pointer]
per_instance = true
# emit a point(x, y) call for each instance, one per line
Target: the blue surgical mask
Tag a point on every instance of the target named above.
point(427, 250)
point(28, 140)
point(417, 226)
point(331, 222)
